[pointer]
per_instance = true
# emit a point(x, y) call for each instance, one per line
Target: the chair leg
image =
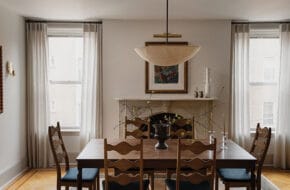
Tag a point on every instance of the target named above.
point(94, 185)
point(227, 187)
point(258, 183)
point(58, 187)
point(216, 182)
point(152, 180)
point(98, 181)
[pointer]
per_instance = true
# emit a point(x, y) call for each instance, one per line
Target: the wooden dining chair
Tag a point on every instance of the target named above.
point(239, 177)
point(124, 180)
point(189, 155)
point(182, 128)
point(137, 128)
point(90, 177)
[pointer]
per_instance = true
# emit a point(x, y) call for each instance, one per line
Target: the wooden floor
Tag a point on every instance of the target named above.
point(45, 180)
point(280, 178)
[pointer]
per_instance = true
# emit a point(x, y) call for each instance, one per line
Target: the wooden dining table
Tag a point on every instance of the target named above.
point(234, 156)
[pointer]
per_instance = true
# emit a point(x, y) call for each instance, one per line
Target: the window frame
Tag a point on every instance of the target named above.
point(264, 32)
point(70, 31)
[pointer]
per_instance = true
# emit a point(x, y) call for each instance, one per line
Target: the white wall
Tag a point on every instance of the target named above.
point(13, 120)
point(124, 71)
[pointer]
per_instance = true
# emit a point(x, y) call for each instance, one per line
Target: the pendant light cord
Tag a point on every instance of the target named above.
point(166, 21)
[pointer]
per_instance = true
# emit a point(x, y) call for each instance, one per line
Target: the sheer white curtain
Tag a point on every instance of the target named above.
point(282, 136)
point(240, 131)
point(92, 100)
point(37, 94)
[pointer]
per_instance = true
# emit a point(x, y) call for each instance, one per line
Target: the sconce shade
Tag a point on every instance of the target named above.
point(167, 55)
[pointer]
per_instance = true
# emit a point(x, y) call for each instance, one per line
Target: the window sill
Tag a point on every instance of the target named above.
point(68, 132)
point(254, 132)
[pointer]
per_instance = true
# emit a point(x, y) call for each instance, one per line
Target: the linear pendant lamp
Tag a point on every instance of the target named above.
point(167, 54)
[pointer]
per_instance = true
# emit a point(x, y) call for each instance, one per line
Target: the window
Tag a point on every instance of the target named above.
point(65, 74)
point(264, 61)
point(268, 113)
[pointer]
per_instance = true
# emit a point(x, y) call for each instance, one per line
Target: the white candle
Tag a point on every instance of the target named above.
point(224, 123)
point(206, 86)
point(206, 74)
point(125, 107)
point(211, 122)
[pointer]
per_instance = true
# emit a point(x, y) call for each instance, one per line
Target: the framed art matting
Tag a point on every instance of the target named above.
point(166, 79)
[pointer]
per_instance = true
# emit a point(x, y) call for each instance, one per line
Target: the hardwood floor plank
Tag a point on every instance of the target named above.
point(21, 180)
point(279, 177)
point(45, 179)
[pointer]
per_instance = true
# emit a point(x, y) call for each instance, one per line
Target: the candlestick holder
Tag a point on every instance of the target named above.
point(224, 140)
point(211, 136)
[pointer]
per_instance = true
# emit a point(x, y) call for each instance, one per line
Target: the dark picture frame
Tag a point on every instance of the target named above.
point(174, 79)
point(1, 80)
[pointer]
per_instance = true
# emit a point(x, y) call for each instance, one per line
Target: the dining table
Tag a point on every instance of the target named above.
point(233, 156)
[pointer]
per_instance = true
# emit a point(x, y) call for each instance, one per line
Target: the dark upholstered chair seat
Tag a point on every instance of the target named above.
point(185, 185)
point(88, 174)
point(130, 186)
point(234, 174)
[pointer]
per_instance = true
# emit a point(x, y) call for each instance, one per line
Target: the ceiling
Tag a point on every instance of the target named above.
point(253, 10)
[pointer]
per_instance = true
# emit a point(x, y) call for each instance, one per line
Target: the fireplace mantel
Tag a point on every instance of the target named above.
point(163, 99)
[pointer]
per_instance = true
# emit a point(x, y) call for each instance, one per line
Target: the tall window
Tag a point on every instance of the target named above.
point(65, 76)
point(264, 61)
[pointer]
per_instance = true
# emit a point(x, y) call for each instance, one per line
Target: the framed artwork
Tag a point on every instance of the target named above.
point(1, 81)
point(166, 79)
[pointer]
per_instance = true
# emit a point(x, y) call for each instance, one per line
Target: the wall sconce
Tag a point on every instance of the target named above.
point(9, 68)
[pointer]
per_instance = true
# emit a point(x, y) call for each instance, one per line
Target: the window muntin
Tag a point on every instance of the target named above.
point(268, 113)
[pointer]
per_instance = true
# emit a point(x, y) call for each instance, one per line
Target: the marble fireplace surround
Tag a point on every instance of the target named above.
point(199, 108)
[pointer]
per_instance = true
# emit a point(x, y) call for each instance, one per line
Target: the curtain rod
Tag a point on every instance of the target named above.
point(261, 22)
point(76, 22)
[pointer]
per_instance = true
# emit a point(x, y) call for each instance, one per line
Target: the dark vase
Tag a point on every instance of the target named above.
point(161, 134)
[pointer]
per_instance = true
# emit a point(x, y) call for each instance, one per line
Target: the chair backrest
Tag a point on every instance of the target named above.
point(260, 145)
point(139, 128)
point(123, 165)
point(182, 128)
point(197, 164)
point(58, 148)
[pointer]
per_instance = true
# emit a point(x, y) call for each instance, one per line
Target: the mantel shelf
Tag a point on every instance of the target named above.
point(163, 99)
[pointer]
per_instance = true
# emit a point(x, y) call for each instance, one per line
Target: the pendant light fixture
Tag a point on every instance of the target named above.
point(167, 54)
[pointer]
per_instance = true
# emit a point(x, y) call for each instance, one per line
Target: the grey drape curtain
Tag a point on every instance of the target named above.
point(92, 90)
point(37, 94)
point(282, 135)
point(240, 131)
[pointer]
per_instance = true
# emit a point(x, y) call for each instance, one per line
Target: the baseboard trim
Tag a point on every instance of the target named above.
point(266, 184)
point(12, 173)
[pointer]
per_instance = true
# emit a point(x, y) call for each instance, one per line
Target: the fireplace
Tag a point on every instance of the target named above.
point(160, 109)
